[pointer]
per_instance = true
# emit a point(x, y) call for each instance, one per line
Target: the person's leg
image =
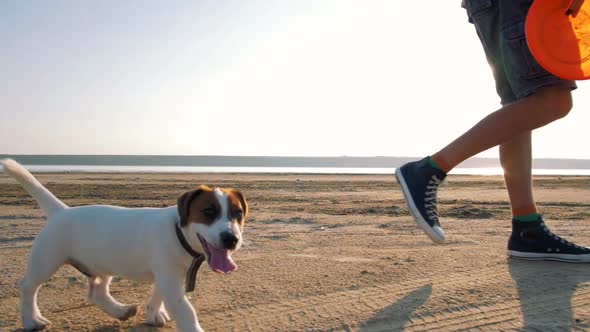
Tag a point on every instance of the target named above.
point(509, 122)
point(516, 161)
point(531, 96)
point(530, 238)
point(509, 127)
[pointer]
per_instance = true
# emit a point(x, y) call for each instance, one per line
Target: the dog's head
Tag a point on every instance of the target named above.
point(214, 218)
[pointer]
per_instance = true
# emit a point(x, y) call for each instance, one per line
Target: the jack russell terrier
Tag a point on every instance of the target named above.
point(163, 246)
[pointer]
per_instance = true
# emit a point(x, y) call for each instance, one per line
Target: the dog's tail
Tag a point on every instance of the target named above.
point(48, 202)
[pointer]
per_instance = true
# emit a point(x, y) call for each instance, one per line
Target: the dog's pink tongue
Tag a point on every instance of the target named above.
point(221, 261)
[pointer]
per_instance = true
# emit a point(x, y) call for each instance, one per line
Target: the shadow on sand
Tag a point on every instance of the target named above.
point(394, 317)
point(545, 291)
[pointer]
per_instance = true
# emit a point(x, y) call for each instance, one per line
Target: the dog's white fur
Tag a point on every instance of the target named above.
point(135, 243)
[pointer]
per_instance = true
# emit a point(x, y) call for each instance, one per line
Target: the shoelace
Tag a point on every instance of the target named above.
point(430, 198)
point(560, 239)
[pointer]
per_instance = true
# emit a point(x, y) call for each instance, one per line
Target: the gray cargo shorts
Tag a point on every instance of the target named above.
point(500, 25)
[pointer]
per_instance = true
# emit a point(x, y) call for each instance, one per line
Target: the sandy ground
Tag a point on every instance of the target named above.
point(329, 253)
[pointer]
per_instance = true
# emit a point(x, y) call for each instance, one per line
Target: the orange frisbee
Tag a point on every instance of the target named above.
point(558, 35)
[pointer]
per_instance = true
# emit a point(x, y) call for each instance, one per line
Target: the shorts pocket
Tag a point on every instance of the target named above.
point(518, 56)
point(476, 8)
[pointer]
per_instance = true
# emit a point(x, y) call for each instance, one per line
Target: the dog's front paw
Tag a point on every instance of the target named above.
point(35, 323)
point(131, 310)
point(157, 317)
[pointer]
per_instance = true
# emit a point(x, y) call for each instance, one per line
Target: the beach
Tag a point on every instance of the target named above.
point(328, 252)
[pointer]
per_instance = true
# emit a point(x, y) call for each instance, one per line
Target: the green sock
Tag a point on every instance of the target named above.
point(529, 217)
point(433, 163)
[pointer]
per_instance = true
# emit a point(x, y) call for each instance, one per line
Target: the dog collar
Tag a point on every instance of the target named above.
point(191, 275)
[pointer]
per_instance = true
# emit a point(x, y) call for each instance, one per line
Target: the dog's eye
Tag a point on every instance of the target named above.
point(210, 212)
point(239, 215)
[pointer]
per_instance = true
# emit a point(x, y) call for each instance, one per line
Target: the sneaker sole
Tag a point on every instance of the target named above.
point(549, 257)
point(434, 235)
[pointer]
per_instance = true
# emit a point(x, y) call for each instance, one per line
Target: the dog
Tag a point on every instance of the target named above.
point(155, 245)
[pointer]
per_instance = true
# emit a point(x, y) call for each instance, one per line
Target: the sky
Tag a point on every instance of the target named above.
point(278, 78)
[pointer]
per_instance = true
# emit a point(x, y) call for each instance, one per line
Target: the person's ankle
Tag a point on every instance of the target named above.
point(531, 217)
point(438, 163)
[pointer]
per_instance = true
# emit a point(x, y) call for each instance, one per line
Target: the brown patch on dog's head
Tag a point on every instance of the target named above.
point(238, 206)
point(202, 210)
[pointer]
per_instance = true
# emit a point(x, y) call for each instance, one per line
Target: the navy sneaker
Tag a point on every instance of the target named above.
point(419, 182)
point(534, 241)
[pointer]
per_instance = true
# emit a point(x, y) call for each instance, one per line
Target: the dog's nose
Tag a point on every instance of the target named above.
point(229, 240)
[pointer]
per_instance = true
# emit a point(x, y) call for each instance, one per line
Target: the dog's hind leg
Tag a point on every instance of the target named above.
point(156, 313)
point(40, 267)
point(98, 294)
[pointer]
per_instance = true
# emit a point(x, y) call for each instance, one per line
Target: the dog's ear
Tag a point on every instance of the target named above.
point(184, 203)
point(242, 199)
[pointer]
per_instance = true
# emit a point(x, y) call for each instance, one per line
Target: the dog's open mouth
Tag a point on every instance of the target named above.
point(219, 259)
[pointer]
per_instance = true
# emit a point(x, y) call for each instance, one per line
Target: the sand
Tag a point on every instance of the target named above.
point(329, 253)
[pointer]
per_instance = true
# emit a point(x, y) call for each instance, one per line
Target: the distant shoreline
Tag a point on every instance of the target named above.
point(268, 161)
point(109, 169)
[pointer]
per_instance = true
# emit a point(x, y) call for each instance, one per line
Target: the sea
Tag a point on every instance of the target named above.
point(272, 164)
